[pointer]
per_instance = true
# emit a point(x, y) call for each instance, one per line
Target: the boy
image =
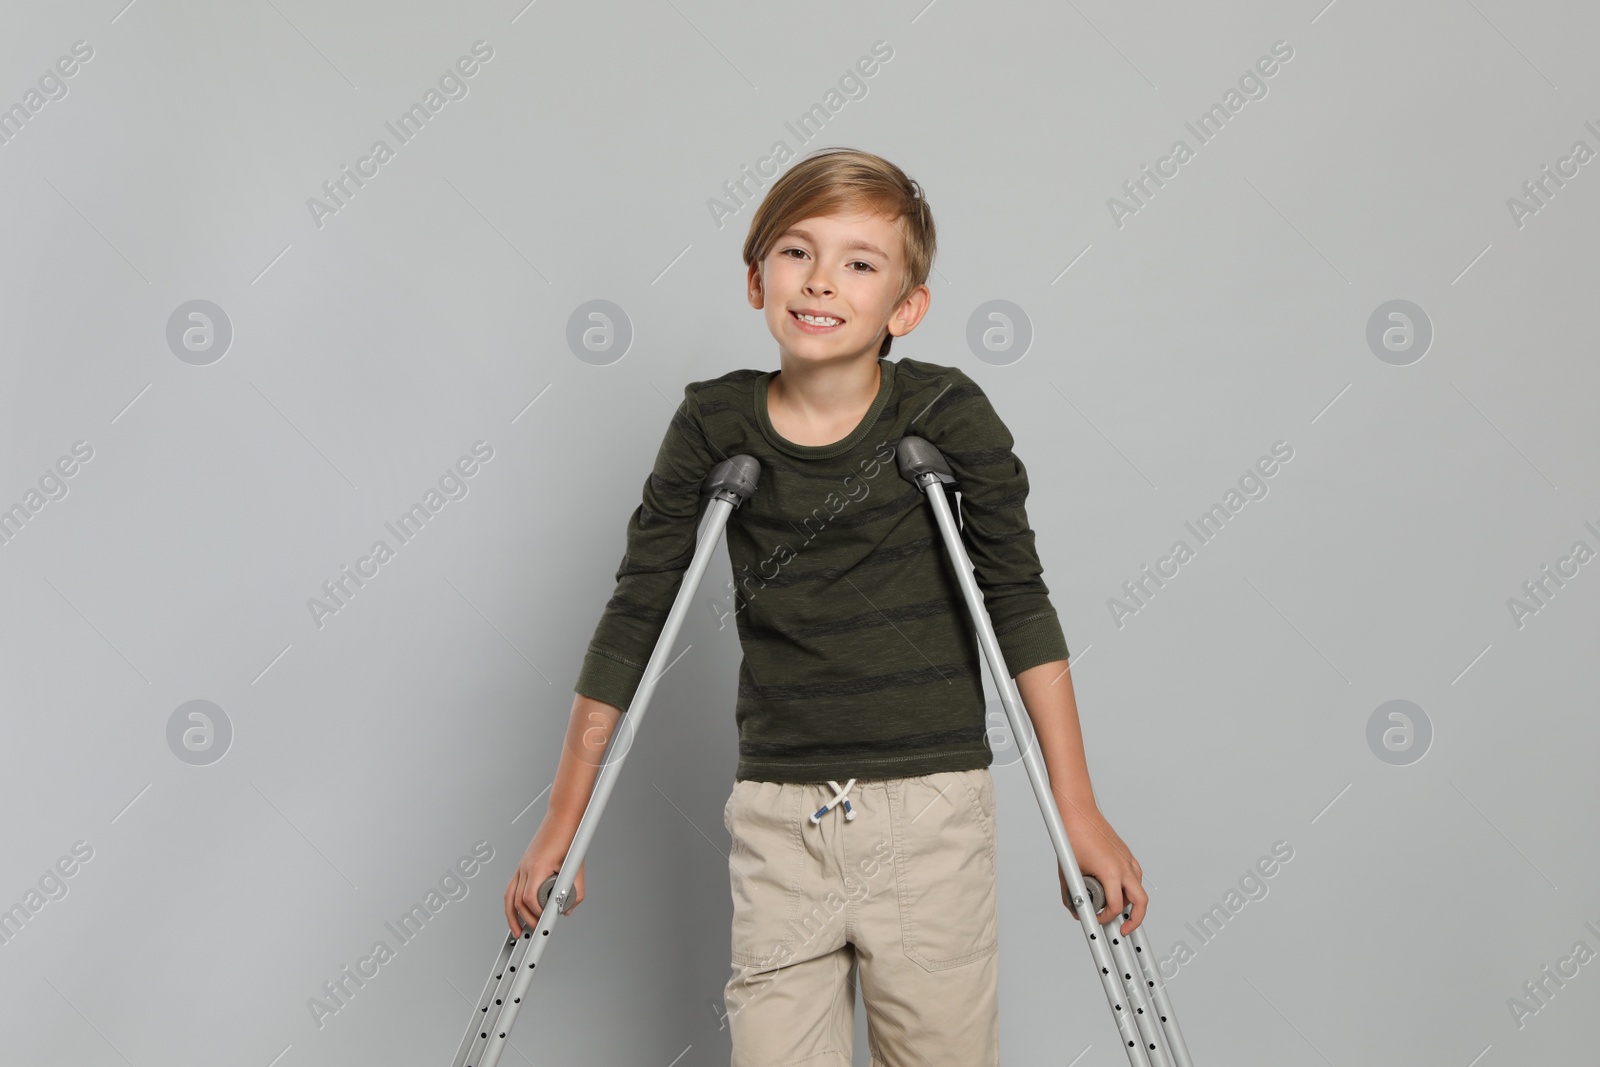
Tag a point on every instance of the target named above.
point(860, 665)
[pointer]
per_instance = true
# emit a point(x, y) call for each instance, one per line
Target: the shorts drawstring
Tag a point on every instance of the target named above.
point(838, 798)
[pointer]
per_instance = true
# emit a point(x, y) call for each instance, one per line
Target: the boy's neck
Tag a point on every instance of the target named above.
point(823, 401)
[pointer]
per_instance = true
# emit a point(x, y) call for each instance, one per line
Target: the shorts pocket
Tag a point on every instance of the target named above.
point(764, 863)
point(943, 826)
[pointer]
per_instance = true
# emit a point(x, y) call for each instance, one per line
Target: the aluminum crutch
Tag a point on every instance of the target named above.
point(729, 484)
point(922, 464)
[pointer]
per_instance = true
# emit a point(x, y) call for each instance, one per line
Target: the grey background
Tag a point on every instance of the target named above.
point(368, 354)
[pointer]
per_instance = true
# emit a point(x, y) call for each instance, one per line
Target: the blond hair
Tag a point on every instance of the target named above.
point(842, 181)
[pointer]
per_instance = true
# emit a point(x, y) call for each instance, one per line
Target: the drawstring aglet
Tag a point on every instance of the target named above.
point(838, 798)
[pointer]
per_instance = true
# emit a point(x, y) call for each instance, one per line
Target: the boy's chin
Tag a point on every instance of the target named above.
point(822, 347)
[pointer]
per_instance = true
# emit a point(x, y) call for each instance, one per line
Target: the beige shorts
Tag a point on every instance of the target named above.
point(901, 897)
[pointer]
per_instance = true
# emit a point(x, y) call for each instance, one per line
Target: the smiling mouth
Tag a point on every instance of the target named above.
point(817, 322)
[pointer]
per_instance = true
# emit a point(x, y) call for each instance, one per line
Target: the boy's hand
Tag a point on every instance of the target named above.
point(545, 854)
point(1100, 852)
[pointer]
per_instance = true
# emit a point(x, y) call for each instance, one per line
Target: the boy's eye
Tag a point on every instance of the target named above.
point(853, 263)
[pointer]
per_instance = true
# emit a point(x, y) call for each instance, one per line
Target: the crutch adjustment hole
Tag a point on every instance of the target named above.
point(516, 1000)
point(1163, 1018)
point(497, 1000)
point(1102, 971)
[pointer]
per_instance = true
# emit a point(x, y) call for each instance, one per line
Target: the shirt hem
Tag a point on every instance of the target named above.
point(964, 758)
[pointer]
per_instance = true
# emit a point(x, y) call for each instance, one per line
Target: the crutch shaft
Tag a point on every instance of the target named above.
point(729, 483)
point(922, 464)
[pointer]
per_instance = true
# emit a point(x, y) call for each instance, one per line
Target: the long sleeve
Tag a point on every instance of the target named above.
point(994, 488)
point(660, 545)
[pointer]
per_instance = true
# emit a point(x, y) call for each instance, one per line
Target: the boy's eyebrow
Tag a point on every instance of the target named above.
point(866, 246)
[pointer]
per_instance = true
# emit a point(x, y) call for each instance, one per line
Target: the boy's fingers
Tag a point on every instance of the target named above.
point(514, 910)
point(514, 904)
point(527, 902)
point(1137, 917)
point(1114, 900)
point(1141, 900)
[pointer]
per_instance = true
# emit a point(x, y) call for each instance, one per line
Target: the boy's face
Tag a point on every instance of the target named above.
point(849, 267)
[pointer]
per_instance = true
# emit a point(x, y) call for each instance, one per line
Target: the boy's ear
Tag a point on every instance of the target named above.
point(909, 311)
point(753, 287)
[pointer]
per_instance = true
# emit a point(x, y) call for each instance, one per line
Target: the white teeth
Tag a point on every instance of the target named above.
point(813, 320)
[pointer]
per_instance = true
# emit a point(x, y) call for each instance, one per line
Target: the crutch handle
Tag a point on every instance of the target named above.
point(544, 894)
point(1097, 894)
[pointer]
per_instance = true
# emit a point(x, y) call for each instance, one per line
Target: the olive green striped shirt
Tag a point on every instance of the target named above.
point(859, 658)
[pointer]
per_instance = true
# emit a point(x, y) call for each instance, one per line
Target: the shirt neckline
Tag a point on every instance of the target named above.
point(849, 441)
